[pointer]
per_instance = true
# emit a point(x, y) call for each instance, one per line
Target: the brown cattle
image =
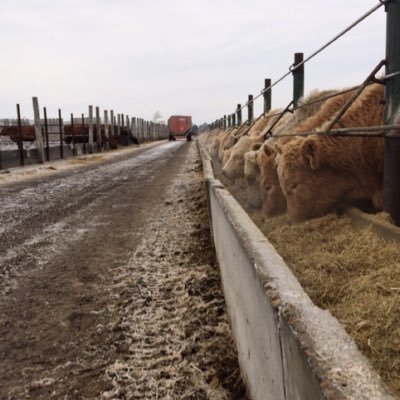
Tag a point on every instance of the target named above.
point(321, 173)
point(251, 175)
point(260, 169)
point(80, 134)
point(273, 199)
point(234, 167)
point(326, 112)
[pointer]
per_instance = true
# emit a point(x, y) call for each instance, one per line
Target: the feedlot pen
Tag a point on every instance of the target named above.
point(353, 274)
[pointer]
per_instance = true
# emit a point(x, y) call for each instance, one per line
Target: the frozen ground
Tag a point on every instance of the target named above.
point(109, 285)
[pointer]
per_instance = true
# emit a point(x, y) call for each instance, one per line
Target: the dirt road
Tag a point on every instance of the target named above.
point(109, 285)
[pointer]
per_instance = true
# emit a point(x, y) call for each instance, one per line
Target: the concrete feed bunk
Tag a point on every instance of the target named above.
point(288, 347)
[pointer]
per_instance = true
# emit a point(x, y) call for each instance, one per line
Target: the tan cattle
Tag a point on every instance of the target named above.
point(321, 173)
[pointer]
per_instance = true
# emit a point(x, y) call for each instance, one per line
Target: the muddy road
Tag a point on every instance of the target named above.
point(109, 287)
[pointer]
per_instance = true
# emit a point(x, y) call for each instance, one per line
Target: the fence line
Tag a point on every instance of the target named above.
point(296, 65)
point(54, 138)
point(391, 80)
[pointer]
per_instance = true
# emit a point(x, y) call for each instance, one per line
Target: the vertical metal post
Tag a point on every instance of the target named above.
point(298, 78)
point(391, 191)
point(229, 120)
point(234, 119)
point(239, 114)
point(46, 134)
point(38, 131)
point(250, 109)
point(20, 139)
point(91, 129)
point(73, 135)
point(224, 122)
point(60, 131)
point(267, 96)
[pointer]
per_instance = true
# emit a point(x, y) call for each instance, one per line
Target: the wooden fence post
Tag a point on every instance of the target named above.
point(127, 126)
point(134, 128)
point(234, 119)
point(267, 96)
point(106, 130)
point(250, 109)
point(119, 125)
point(60, 131)
point(392, 96)
point(83, 134)
point(46, 134)
point(298, 78)
point(20, 139)
point(91, 129)
point(98, 129)
point(112, 121)
point(38, 131)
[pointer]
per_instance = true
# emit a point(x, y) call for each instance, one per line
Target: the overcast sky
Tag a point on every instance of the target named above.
point(190, 57)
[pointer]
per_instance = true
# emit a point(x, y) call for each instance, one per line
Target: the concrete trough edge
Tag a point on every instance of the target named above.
point(272, 318)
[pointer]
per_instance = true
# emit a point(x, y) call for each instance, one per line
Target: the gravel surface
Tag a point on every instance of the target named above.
point(109, 284)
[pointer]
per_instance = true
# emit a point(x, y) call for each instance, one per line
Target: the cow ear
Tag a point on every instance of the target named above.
point(256, 146)
point(310, 153)
point(268, 150)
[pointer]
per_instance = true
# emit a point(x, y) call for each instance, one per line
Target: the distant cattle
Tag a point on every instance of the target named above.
point(80, 134)
point(234, 166)
point(28, 133)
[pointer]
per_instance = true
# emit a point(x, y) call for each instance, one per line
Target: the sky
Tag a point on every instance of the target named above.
point(177, 57)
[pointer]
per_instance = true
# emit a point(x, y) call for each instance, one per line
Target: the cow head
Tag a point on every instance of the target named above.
point(273, 199)
point(252, 177)
point(311, 187)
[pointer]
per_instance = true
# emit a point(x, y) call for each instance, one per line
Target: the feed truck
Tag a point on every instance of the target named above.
point(180, 126)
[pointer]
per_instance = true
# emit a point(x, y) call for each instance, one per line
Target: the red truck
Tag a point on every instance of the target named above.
point(180, 125)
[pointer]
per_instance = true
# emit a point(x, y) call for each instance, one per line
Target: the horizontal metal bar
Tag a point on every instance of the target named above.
point(367, 131)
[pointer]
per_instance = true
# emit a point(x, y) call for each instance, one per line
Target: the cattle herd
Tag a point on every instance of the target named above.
point(307, 176)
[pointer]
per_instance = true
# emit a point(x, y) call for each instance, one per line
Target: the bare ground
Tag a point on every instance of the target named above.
point(111, 290)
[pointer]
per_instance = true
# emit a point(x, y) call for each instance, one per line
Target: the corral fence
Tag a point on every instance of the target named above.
point(24, 141)
point(391, 81)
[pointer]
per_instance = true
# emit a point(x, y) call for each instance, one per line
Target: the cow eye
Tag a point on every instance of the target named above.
point(293, 187)
point(268, 187)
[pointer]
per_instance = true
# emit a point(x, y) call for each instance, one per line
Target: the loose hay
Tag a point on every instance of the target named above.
point(355, 275)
